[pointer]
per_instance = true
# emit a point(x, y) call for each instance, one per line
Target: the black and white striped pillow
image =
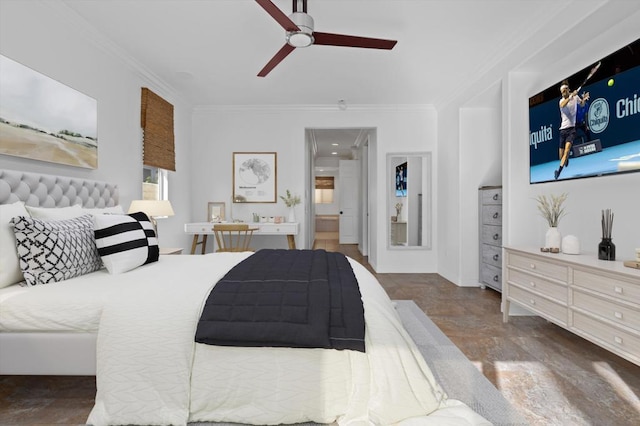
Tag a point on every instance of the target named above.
point(125, 241)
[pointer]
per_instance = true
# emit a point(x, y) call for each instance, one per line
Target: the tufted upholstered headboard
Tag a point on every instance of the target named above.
point(42, 190)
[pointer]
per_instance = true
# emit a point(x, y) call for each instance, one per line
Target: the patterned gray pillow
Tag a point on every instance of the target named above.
point(55, 250)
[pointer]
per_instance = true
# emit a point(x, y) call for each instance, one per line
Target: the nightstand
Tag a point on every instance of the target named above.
point(170, 250)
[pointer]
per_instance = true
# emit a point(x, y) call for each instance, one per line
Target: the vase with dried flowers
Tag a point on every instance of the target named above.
point(291, 201)
point(398, 210)
point(606, 248)
point(552, 210)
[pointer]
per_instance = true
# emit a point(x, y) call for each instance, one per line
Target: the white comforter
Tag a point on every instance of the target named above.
point(150, 371)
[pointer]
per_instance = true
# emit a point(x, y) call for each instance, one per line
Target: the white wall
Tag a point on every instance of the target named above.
point(41, 36)
point(218, 132)
point(587, 197)
point(480, 165)
point(100, 70)
point(559, 49)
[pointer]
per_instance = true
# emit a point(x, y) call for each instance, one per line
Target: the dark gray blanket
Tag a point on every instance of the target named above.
point(286, 298)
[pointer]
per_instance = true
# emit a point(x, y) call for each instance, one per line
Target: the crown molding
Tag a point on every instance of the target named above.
point(313, 108)
point(66, 15)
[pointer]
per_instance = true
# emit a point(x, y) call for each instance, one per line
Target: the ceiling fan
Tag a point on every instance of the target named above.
point(299, 28)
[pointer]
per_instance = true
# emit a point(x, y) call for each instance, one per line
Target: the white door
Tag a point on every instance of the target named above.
point(349, 189)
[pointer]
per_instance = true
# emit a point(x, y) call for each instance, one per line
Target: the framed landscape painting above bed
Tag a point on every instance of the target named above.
point(43, 119)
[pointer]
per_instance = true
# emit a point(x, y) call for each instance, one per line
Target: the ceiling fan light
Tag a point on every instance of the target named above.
point(304, 37)
point(299, 39)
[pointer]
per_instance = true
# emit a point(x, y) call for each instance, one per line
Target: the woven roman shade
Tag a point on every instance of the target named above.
point(324, 182)
point(156, 119)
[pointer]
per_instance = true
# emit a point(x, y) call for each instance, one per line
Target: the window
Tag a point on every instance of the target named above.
point(324, 189)
point(158, 151)
point(154, 183)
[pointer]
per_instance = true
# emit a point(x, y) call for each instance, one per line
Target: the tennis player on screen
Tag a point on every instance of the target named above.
point(568, 111)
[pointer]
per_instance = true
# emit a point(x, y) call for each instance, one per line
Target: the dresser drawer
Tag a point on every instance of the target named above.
point(540, 266)
point(612, 311)
point(491, 276)
point(538, 285)
point(492, 214)
point(609, 285)
point(539, 304)
point(492, 196)
point(610, 336)
point(492, 255)
point(491, 235)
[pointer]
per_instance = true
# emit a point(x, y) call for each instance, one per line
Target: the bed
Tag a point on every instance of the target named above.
point(135, 331)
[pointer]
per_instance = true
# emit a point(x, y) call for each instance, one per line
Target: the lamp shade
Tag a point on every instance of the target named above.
point(152, 208)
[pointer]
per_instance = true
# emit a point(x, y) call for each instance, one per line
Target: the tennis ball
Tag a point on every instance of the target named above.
point(610, 82)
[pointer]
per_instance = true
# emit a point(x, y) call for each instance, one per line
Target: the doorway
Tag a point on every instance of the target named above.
point(327, 147)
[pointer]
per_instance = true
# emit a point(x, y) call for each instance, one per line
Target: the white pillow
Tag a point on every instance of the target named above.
point(55, 250)
point(105, 210)
point(125, 241)
point(10, 272)
point(55, 213)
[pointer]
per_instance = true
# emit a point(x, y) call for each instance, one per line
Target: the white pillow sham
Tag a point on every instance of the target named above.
point(105, 210)
point(55, 213)
point(10, 272)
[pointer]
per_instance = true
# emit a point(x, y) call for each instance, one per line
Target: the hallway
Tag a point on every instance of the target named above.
point(326, 240)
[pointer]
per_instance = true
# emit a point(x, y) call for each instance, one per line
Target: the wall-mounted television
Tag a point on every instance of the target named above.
point(607, 126)
point(401, 180)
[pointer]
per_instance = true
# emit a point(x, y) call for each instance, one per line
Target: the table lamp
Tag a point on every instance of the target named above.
point(152, 208)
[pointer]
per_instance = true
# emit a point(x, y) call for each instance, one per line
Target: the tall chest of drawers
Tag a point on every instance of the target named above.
point(490, 233)
point(596, 299)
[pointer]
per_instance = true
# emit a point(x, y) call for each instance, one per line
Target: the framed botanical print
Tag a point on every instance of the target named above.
point(254, 177)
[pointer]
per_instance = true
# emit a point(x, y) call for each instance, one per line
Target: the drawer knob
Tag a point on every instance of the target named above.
point(495, 215)
point(495, 197)
point(618, 340)
point(496, 256)
point(618, 315)
point(532, 284)
point(496, 236)
point(617, 289)
point(532, 266)
point(533, 302)
point(495, 278)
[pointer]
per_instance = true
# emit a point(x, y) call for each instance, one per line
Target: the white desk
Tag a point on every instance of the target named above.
point(202, 230)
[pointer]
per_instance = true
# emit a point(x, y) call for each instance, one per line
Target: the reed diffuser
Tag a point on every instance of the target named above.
point(606, 248)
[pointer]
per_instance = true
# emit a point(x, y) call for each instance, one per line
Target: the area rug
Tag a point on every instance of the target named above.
point(451, 368)
point(455, 373)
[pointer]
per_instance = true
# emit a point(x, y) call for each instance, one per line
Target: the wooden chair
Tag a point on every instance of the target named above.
point(233, 237)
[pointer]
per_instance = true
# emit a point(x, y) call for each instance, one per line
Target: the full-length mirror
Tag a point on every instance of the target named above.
point(409, 200)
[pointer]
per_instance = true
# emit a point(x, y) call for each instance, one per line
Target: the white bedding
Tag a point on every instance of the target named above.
point(76, 304)
point(150, 371)
point(72, 305)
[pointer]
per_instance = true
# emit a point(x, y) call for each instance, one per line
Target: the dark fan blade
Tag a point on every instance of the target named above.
point(278, 15)
point(282, 53)
point(329, 39)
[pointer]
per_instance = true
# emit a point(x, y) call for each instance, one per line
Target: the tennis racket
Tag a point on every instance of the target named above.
point(591, 73)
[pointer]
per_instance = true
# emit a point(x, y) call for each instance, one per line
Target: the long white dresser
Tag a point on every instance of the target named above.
point(596, 299)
